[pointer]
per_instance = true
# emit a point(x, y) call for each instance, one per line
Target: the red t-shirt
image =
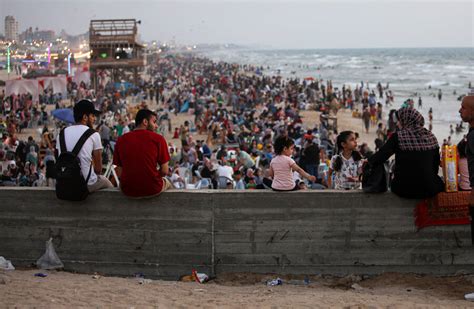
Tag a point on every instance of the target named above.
point(139, 153)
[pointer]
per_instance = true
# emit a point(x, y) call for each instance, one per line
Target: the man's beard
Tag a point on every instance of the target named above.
point(150, 128)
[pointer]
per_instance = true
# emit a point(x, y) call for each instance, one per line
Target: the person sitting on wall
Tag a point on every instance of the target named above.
point(416, 157)
point(138, 153)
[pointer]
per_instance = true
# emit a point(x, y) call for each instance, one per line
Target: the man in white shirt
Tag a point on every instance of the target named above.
point(224, 170)
point(90, 155)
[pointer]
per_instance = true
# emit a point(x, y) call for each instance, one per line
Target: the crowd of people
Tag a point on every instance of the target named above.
point(249, 129)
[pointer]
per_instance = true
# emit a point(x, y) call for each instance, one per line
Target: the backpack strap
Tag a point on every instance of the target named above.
point(82, 141)
point(89, 175)
point(62, 141)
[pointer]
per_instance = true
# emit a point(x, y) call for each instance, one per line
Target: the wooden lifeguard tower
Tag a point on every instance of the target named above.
point(115, 51)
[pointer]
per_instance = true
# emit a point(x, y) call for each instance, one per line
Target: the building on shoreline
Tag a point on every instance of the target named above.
point(114, 47)
point(30, 35)
point(11, 28)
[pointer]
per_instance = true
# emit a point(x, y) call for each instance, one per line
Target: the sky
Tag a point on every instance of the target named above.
point(281, 24)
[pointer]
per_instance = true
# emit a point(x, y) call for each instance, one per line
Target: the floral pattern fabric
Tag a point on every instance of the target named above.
point(350, 169)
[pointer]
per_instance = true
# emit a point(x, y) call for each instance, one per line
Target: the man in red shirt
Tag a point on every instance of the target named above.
point(137, 155)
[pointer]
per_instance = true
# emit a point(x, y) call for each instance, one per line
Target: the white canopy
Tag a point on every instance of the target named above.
point(82, 77)
point(59, 84)
point(23, 86)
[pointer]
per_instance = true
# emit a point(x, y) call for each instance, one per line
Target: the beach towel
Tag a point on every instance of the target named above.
point(443, 209)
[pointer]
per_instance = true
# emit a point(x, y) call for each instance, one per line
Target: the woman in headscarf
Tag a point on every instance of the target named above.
point(416, 157)
point(32, 156)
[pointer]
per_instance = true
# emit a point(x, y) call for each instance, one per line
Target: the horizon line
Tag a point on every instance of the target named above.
point(331, 48)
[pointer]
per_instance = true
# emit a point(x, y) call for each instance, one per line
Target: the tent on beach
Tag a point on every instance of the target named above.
point(22, 86)
point(58, 83)
point(83, 76)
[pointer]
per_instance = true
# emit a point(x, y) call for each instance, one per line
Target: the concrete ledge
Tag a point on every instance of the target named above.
point(218, 231)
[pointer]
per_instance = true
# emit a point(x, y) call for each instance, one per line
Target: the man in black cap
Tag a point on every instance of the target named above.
point(90, 154)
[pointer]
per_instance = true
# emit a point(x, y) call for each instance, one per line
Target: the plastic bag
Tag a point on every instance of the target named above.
point(200, 277)
point(50, 259)
point(6, 264)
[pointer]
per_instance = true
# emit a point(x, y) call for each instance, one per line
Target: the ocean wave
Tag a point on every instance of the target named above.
point(405, 70)
point(424, 65)
point(437, 83)
point(354, 66)
point(333, 56)
point(399, 63)
point(457, 67)
point(448, 119)
point(356, 60)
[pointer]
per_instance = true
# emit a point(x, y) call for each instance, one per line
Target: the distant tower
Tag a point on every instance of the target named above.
point(11, 29)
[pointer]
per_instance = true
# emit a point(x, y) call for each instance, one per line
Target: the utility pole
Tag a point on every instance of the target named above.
point(8, 60)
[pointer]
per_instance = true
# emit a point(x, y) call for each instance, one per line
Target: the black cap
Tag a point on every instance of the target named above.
point(84, 107)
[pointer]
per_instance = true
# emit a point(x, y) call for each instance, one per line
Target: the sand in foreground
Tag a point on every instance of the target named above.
point(63, 289)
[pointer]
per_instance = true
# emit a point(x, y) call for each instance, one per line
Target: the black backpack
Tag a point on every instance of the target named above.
point(70, 183)
point(375, 178)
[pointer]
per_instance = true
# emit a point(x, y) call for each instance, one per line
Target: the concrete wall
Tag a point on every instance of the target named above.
point(229, 231)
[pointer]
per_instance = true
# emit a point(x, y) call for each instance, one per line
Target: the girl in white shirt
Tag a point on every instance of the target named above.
point(346, 164)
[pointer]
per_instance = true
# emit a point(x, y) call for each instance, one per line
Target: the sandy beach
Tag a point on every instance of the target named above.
point(20, 288)
point(310, 119)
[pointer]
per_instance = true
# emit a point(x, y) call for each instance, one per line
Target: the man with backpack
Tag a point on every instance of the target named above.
point(80, 156)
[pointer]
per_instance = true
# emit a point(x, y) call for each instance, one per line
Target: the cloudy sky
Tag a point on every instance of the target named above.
point(266, 23)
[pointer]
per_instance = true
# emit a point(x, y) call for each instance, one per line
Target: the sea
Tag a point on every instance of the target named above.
point(409, 72)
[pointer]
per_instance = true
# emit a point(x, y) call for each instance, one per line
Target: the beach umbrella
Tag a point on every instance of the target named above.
point(309, 78)
point(64, 114)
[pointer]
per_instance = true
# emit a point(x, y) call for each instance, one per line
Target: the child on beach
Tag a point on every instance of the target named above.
point(346, 164)
point(282, 166)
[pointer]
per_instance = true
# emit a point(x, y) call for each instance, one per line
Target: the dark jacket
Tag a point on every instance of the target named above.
point(470, 155)
point(311, 154)
point(415, 173)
